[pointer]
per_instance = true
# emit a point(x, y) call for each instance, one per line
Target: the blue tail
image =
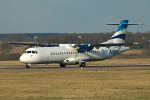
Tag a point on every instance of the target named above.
point(121, 31)
point(120, 35)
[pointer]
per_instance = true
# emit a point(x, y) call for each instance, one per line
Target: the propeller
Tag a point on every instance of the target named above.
point(79, 40)
point(36, 40)
point(78, 46)
point(83, 47)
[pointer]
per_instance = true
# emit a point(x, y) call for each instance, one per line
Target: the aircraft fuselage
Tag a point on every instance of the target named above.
point(65, 55)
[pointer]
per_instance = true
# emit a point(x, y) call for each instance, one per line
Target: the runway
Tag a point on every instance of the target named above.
point(74, 68)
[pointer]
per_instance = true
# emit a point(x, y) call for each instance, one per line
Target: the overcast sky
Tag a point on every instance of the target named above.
point(72, 16)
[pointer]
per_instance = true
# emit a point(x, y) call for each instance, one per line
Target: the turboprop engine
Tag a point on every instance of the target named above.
point(85, 47)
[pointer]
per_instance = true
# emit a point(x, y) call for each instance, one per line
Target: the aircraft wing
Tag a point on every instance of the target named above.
point(90, 45)
point(34, 44)
point(114, 44)
point(111, 44)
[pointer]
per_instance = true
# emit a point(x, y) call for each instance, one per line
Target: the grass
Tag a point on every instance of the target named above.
point(75, 85)
point(11, 64)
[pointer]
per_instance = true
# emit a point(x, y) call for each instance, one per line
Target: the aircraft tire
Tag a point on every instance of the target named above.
point(83, 64)
point(27, 66)
point(62, 65)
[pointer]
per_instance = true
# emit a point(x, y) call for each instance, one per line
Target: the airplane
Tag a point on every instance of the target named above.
point(72, 54)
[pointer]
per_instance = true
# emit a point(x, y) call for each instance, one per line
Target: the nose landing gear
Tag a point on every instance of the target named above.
point(28, 65)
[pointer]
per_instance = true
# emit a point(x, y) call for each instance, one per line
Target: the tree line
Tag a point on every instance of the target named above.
point(143, 38)
point(72, 38)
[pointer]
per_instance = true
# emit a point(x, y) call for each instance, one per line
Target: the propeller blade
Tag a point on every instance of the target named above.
point(36, 40)
point(79, 41)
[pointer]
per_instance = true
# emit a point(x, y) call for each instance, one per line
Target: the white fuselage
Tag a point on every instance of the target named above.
point(67, 54)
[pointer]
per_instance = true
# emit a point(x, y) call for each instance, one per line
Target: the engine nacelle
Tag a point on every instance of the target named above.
point(71, 61)
point(45, 45)
point(85, 47)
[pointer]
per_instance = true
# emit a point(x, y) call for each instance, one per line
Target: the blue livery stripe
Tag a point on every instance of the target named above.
point(122, 36)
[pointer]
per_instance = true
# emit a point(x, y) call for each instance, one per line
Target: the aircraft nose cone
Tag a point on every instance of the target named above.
point(23, 59)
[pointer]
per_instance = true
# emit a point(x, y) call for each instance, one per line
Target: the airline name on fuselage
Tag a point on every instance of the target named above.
point(114, 50)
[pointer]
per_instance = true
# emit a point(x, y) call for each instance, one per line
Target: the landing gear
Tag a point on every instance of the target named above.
point(82, 64)
point(28, 65)
point(62, 65)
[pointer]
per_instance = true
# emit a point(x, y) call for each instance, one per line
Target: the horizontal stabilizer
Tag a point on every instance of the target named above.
point(126, 24)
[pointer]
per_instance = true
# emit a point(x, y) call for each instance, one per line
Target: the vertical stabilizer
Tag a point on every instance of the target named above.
point(120, 35)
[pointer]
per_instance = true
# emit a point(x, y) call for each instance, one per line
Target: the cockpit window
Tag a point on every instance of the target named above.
point(33, 52)
point(28, 51)
point(36, 52)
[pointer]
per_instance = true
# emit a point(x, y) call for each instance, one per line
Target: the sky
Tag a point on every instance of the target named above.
point(72, 16)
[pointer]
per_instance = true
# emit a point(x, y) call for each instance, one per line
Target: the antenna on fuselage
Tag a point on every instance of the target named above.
point(36, 41)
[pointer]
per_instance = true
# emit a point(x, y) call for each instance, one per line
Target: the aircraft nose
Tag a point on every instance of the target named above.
point(23, 59)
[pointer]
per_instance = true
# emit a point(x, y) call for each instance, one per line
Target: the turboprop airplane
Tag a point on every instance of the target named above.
point(71, 54)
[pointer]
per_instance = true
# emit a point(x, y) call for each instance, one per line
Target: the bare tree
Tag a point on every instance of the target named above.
point(15, 38)
point(5, 47)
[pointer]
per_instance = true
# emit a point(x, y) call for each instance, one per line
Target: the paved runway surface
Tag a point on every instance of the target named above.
point(74, 68)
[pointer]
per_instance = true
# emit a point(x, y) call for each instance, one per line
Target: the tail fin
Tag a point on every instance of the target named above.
point(120, 35)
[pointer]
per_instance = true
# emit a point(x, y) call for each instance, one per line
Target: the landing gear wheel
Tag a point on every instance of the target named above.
point(28, 65)
point(83, 64)
point(62, 65)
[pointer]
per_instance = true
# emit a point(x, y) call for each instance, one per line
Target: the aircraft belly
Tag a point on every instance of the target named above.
point(89, 57)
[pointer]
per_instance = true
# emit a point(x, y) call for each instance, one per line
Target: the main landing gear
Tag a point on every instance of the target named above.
point(62, 65)
point(82, 64)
